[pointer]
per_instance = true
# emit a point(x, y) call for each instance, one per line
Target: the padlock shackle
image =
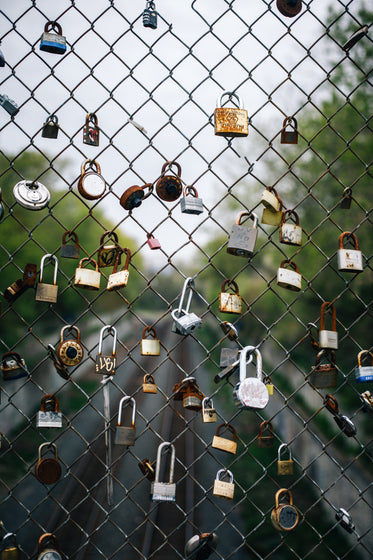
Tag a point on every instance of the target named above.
point(151, 331)
point(51, 257)
point(207, 401)
point(172, 462)
point(360, 357)
point(227, 427)
point(232, 285)
point(189, 282)
point(10, 354)
point(51, 542)
point(94, 166)
point(322, 315)
point(290, 264)
point(110, 234)
point(170, 164)
point(243, 362)
point(132, 401)
point(331, 404)
point(228, 329)
point(108, 328)
point(251, 215)
point(230, 94)
point(72, 235)
point(351, 236)
point(89, 260)
point(273, 190)
point(224, 471)
point(91, 117)
point(189, 189)
point(266, 425)
point(150, 188)
point(69, 328)
point(288, 121)
point(148, 378)
point(288, 214)
point(283, 491)
point(50, 397)
point(281, 447)
point(51, 446)
point(53, 25)
point(52, 119)
point(11, 537)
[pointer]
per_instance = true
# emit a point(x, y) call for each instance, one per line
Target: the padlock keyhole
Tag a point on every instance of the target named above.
point(71, 352)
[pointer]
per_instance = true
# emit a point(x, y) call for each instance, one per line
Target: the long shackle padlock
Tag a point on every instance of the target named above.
point(284, 466)
point(126, 435)
point(47, 292)
point(105, 365)
point(184, 321)
point(250, 392)
point(328, 339)
point(164, 491)
point(349, 260)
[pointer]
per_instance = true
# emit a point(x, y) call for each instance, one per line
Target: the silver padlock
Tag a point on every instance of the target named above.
point(290, 234)
point(9, 105)
point(150, 346)
point(105, 365)
point(345, 520)
point(164, 491)
point(13, 366)
point(126, 435)
point(49, 415)
point(250, 392)
point(328, 339)
point(184, 321)
point(199, 547)
point(364, 374)
point(242, 238)
point(31, 194)
point(190, 203)
point(230, 121)
point(53, 42)
point(289, 279)
point(208, 410)
point(47, 292)
point(349, 260)
point(224, 489)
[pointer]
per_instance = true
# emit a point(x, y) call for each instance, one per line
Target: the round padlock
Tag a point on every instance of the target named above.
point(31, 194)
point(91, 184)
point(133, 197)
point(48, 469)
point(70, 352)
point(48, 547)
point(169, 187)
point(284, 517)
point(289, 8)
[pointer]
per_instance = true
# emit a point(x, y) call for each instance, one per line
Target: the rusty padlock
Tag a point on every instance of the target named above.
point(21, 284)
point(230, 303)
point(147, 468)
point(324, 375)
point(150, 346)
point(284, 516)
point(126, 435)
point(70, 352)
point(49, 415)
point(290, 234)
point(85, 278)
point(13, 366)
point(349, 260)
point(242, 238)
point(48, 469)
point(230, 121)
point(289, 279)
point(189, 392)
point(346, 199)
point(169, 187)
point(53, 42)
point(265, 440)
point(289, 8)
point(70, 250)
point(134, 196)
point(91, 184)
point(119, 279)
point(289, 136)
point(190, 203)
point(108, 253)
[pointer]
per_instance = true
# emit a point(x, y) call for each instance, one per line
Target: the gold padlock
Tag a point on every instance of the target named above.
point(149, 385)
point(284, 516)
point(272, 213)
point(70, 352)
point(224, 489)
point(230, 121)
point(208, 411)
point(150, 347)
point(284, 466)
point(119, 279)
point(47, 292)
point(10, 550)
point(230, 303)
point(87, 279)
point(224, 444)
point(107, 254)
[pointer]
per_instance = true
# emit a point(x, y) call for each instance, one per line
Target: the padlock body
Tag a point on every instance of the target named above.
point(328, 339)
point(289, 279)
point(289, 137)
point(192, 402)
point(118, 280)
point(230, 303)
point(46, 292)
point(149, 18)
point(224, 444)
point(91, 134)
point(125, 435)
point(70, 352)
point(53, 43)
point(323, 376)
point(13, 370)
point(10, 553)
point(69, 251)
point(350, 260)
point(191, 205)
point(107, 256)
point(290, 234)
point(163, 491)
point(150, 347)
point(154, 243)
point(269, 387)
point(250, 393)
point(270, 201)
point(50, 130)
point(285, 517)
point(285, 467)
point(228, 356)
point(87, 279)
point(223, 489)
point(185, 324)
point(265, 441)
point(105, 365)
point(242, 241)
point(208, 415)
point(48, 470)
point(231, 122)
point(49, 419)
point(363, 374)
point(271, 218)
point(149, 388)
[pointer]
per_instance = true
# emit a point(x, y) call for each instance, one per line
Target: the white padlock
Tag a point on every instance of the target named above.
point(349, 260)
point(328, 339)
point(289, 279)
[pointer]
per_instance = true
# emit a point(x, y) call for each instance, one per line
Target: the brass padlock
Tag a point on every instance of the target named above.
point(189, 392)
point(70, 352)
point(105, 365)
point(289, 136)
point(224, 489)
point(48, 469)
point(190, 203)
point(250, 392)
point(147, 468)
point(199, 547)
point(184, 321)
point(126, 435)
point(91, 184)
point(224, 444)
point(48, 548)
point(289, 279)
point(50, 127)
point(169, 187)
point(349, 260)
point(134, 196)
point(284, 516)
point(364, 374)
point(242, 239)
point(284, 466)
point(325, 375)
point(49, 415)
point(265, 440)
point(13, 366)
point(289, 8)
point(70, 250)
point(230, 303)
point(150, 346)
point(290, 234)
point(10, 550)
point(47, 292)
point(208, 411)
point(53, 42)
point(85, 278)
point(272, 202)
point(107, 254)
point(91, 132)
point(21, 284)
point(118, 280)
point(328, 339)
point(149, 385)
point(230, 121)
point(164, 491)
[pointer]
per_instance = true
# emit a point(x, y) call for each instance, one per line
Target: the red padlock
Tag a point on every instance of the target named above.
point(153, 242)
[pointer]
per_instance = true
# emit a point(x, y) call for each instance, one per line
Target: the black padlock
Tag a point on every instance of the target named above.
point(149, 16)
point(2, 59)
point(50, 127)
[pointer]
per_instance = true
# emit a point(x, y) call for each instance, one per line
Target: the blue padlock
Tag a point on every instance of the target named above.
point(364, 373)
point(53, 42)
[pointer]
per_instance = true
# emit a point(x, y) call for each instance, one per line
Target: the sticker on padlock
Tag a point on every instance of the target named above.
point(91, 132)
point(224, 489)
point(49, 415)
point(289, 8)
point(47, 292)
point(148, 385)
point(48, 469)
point(225, 444)
point(250, 392)
point(21, 284)
point(13, 366)
point(150, 346)
point(118, 280)
point(70, 250)
point(208, 411)
point(265, 436)
point(242, 238)
point(48, 548)
point(164, 491)
point(85, 278)
point(323, 376)
point(126, 435)
point(32, 195)
point(50, 127)
point(185, 322)
point(149, 15)
point(53, 42)
point(289, 136)
point(289, 279)
point(134, 196)
point(10, 549)
point(284, 516)
point(349, 260)
point(153, 242)
point(199, 547)
point(105, 365)
point(290, 234)
point(363, 374)
point(190, 203)
point(230, 121)
point(108, 253)
point(169, 187)
point(328, 338)
point(284, 466)
point(230, 303)
point(70, 352)
point(91, 184)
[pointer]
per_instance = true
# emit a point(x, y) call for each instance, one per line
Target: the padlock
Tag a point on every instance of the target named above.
point(148, 385)
point(242, 238)
point(70, 352)
point(48, 469)
point(13, 366)
point(269, 385)
point(31, 195)
point(53, 42)
point(290, 234)
point(60, 368)
point(2, 59)
point(20, 286)
point(50, 127)
point(200, 547)
point(9, 105)
point(345, 520)
point(224, 444)
point(355, 37)
point(118, 280)
point(367, 400)
point(188, 391)
point(208, 411)
point(289, 8)
point(153, 242)
point(265, 440)
point(49, 415)
point(328, 339)
point(48, 548)
point(150, 346)
point(47, 292)
point(230, 121)
point(70, 250)
point(229, 330)
point(147, 468)
point(349, 260)
point(149, 15)
point(164, 491)
point(91, 132)
point(91, 184)
point(284, 466)
point(134, 196)
point(190, 203)
point(342, 421)
point(126, 435)
point(250, 392)
point(289, 136)
point(105, 365)
point(169, 187)
point(289, 279)
point(85, 278)
point(230, 303)
point(224, 489)
point(228, 356)
point(107, 254)
point(364, 374)
point(346, 199)
point(184, 321)
point(325, 375)
point(9, 547)
point(284, 516)
point(271, 200)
